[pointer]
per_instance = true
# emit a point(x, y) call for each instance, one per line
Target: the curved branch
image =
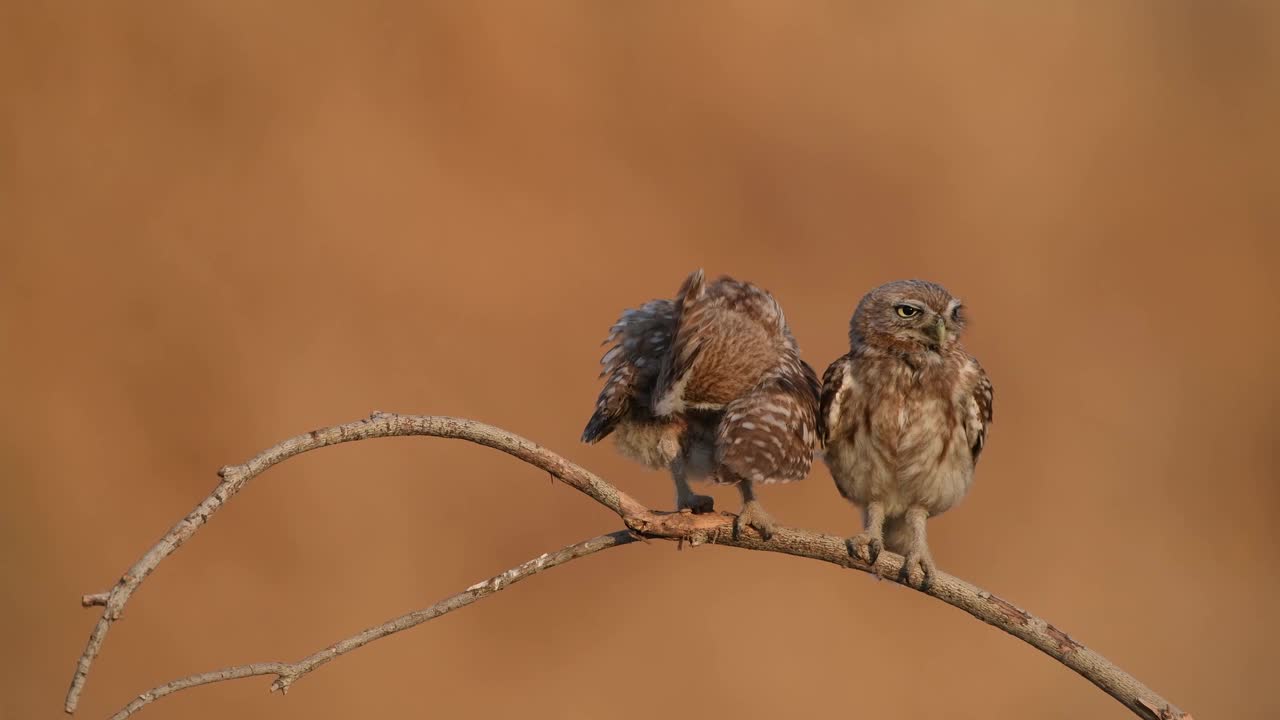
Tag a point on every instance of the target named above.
point(288, 673)
point(235, 477)
point(983, 605)
point(711, 528)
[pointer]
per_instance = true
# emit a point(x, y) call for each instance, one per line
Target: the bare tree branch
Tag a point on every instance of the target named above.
point(712, 528)
point(235, 477)
point(288, 673)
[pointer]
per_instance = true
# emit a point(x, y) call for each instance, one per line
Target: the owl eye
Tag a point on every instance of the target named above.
point(906, 311)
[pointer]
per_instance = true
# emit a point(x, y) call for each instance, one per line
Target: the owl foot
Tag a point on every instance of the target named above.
point(696, 504)
point(754, 516)
point(865, 547)
point(917, 569)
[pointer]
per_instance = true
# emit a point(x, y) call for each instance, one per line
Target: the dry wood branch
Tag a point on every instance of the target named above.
point(714, 528)
point(288, 673)
point(235, 477)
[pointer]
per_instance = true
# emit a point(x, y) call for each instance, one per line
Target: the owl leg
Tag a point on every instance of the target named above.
point(918, 568)
point(866, 545)
point(752, 514)
point(686, 499)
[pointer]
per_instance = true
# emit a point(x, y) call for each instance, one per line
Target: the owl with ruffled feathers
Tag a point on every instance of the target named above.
point(710, 385)
point(904, 417)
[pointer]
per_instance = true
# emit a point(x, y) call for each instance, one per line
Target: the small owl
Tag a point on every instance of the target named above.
point(711, 386)
point(904, 417)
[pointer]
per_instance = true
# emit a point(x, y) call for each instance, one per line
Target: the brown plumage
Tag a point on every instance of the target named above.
point(904, 417)
point(711, 386)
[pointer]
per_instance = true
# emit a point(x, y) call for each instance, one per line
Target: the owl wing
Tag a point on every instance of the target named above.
point(769, 434)
point(980, 412)
point(702, 311)
point(835, 392)
point(641, 340)
point(692, 315)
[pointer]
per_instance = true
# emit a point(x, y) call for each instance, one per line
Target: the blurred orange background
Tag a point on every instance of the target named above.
point(227, 223)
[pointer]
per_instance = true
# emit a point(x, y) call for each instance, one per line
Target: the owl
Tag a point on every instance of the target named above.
point(904, 417)
point(710, 386)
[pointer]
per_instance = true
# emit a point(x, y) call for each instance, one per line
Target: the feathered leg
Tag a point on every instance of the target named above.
point(866, 545)
point(918, 567)
point(752, 513)
point(686, 499)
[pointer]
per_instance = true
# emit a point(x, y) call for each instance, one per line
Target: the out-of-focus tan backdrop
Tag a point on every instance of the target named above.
point(225, 223)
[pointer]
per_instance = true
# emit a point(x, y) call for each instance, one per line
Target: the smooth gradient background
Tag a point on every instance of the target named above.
point(226, 223)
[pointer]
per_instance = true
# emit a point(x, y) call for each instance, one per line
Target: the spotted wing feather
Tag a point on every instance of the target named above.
point(834, 397)
point(769, 434)
point(980, 413)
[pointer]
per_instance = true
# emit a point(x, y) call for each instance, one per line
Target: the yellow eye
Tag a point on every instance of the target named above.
point(907, 311)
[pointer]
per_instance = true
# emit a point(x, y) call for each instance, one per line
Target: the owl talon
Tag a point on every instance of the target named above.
point(864, 547)
point(917, 570)
point(696, 504)
point(753, 516)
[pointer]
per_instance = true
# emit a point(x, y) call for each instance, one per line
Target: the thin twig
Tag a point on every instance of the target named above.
point(712, 528)
point(289, 673)
point(234, 478)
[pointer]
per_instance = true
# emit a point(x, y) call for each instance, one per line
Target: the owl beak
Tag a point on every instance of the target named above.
point(940, 331)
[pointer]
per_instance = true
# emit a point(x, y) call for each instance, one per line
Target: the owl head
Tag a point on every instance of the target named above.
point(914, 315)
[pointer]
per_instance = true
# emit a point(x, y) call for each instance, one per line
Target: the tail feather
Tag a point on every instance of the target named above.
point(598, 427)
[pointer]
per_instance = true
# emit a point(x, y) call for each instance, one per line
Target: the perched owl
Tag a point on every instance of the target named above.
point(904, 417)
point(711, 386)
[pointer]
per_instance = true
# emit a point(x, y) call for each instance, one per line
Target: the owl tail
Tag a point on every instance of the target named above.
point(598, 427)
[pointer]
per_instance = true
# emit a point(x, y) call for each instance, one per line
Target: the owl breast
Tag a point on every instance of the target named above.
point(901, 440)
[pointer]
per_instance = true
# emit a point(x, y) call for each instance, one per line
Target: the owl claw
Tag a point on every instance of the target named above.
point(917, 570)
point(753, 516)
point(865, 547)
point(697, 504)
